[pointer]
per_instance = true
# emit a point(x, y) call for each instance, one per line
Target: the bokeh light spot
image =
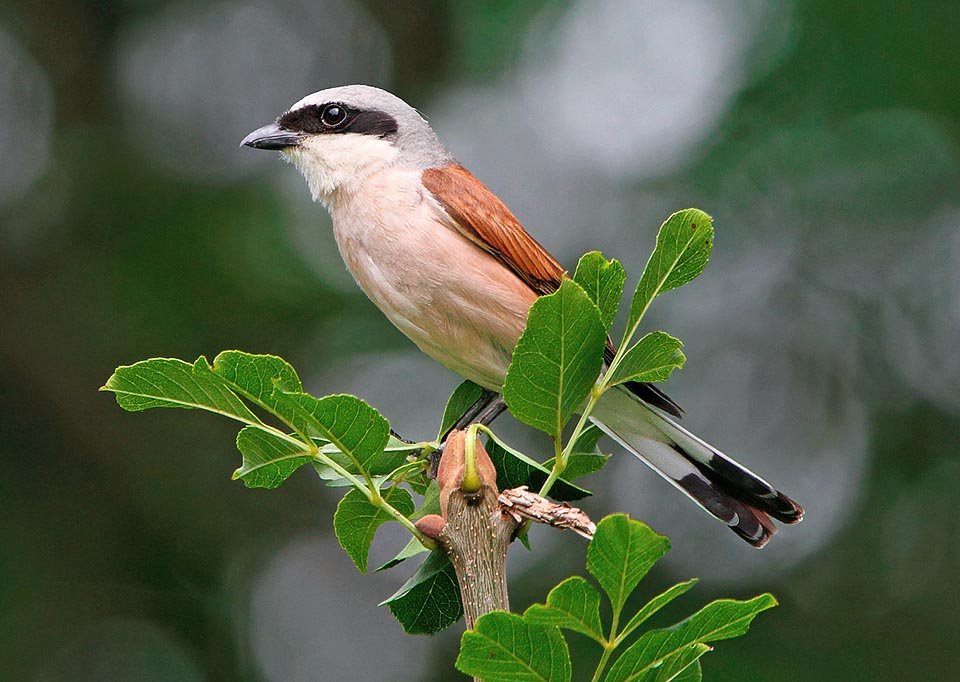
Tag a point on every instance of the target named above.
point(26, 120)
point(197, 80)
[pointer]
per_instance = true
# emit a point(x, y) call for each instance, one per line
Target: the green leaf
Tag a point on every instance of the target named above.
point(652, 358)
point(268, 460)
point(430, 505)
point(256, 377)
point(463, 397)
point(621, 553)
point(663, 669)
point(356, 521)
point(574, 604)
point(557, 359)
point(603, 281)
point(585, 457)
point(392, 456)
point(411, 549)
point(583, 464)
point(419, 482)
point(580, 464)
point(515, 469)
point(503, 647)
point(683, 249)
point(721, 619)
point(168, 382)
point(587, 440)
point(686, 659)
point(379, 464)
point(431, 501)
point(654, 605)
point(331, 475)
point(354, 429)
point(430, 600)
point(692, 673)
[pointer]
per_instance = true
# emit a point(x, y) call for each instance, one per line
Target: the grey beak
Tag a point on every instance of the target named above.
point(271, 136)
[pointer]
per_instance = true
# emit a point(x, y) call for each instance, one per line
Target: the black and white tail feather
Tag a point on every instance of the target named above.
point(718, 484)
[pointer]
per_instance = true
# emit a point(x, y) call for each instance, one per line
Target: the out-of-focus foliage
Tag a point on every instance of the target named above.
point(822, 136)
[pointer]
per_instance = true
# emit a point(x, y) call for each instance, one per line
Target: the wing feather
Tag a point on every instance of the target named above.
point(477, 213)
point(481, 217)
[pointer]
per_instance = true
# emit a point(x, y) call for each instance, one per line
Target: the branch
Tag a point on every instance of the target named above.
point(473, 531)
point(522, 504)
point(478, 523)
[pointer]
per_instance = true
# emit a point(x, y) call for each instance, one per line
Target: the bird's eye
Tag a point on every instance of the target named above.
point(333, 115)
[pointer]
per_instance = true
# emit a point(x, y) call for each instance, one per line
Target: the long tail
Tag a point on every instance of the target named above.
point(720, 486)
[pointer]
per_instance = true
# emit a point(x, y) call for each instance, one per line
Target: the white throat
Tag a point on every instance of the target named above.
point(330, 163)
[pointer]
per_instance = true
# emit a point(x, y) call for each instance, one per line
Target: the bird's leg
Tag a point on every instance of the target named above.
point(486, 408)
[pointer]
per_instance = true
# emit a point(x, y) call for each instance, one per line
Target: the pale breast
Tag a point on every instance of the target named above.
point(455, 301)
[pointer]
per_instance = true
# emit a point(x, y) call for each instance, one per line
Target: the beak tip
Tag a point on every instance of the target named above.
point(271, 137)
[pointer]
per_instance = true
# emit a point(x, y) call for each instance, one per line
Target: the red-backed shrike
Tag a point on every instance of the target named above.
point(451, 267)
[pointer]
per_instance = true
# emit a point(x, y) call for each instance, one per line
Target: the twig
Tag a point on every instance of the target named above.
point(521, 503)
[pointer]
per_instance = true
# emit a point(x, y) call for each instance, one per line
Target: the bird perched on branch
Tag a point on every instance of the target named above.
point(451, 268)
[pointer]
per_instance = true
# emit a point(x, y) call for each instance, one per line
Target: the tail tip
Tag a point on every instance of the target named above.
point(754, 526)
point(790, 511)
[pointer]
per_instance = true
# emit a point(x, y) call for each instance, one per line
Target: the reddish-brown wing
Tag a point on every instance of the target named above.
point(482, 218)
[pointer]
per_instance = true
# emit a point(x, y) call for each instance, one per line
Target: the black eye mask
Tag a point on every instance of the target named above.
point(308, 119)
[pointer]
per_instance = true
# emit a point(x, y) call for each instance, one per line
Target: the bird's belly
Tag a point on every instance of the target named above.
point(460, 305)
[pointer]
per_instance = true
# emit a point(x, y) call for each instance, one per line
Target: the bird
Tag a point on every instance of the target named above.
point(452, 268)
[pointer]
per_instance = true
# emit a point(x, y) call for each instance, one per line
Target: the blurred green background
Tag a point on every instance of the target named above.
point(824, 138)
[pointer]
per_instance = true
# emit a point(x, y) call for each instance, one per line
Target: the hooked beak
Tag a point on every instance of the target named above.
point(271, 136)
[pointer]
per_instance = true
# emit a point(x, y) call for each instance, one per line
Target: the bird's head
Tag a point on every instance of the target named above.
point(338, 137)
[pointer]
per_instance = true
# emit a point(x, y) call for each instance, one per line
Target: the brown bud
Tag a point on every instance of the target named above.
point(431, 525)
point(450, 473)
